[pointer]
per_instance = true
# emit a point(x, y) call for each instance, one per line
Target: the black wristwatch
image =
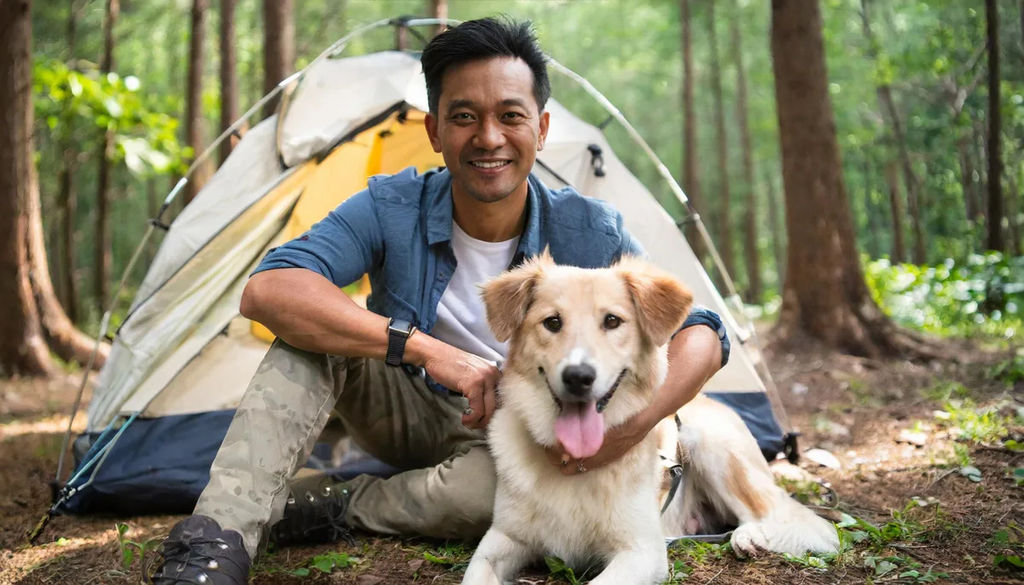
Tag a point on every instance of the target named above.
point(398, 332)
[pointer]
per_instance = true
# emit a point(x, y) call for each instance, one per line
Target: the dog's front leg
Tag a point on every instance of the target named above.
point(647, 565)
point(497, 560)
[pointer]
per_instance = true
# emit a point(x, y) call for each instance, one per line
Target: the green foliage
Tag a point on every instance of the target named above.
point(327, 563)
point(70, 100)
point(978, 424)
point(984, 295)
point(455, 555)
point(561, 571)
point(1007, 543)
point(1010, 371)
point(132, 550)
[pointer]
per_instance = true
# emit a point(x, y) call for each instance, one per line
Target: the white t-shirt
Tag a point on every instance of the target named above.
point(461, 316)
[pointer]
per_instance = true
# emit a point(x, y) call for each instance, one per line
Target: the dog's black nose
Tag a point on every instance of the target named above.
point(579, 379)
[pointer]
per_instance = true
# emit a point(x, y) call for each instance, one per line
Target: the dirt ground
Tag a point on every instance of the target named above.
point(901, 469)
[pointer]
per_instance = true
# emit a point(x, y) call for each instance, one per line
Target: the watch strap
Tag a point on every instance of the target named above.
point(399, 331)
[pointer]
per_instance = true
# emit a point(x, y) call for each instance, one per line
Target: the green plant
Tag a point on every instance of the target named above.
point(974, 423)
point(559, 570)
point(696, 552)
point(1008, 543)
point(1009, 371)
point(983, 295)
point(452, 554)
point(945, 390)
point(677, 572)
point(130, 549)
point(326, 563)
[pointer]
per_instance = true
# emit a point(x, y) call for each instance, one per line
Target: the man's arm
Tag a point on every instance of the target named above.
point(308, 311)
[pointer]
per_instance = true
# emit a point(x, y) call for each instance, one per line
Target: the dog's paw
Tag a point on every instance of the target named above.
point(749, 540)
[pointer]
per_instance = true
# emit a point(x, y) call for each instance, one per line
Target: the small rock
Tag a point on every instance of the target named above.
point(915, 438)
point(823, 458)
point(369, 580)
point(415, 564)
point(799, 389)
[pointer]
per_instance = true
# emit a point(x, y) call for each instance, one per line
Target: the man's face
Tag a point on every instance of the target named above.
point(488, 127)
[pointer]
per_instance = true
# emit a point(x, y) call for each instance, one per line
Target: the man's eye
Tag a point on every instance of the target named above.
point(611, 321)
point(512, 115)
point(461, 116)
point(553, 324)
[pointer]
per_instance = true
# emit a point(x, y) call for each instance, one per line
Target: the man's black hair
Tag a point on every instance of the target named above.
point(483, 39)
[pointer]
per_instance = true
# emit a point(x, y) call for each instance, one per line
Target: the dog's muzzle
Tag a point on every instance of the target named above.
point(579, 381)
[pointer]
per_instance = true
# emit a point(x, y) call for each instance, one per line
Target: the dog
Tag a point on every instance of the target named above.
point(587, 351)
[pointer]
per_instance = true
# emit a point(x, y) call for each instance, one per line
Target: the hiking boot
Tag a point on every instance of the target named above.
point(199, 551)
point(314, 513)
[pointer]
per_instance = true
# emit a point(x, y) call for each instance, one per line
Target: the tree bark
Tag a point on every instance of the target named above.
point(691, 178)
point(824, 294)
point(22, 347)
point(68, 196)
point(278, 45)
point(995, 160)
point(890, 113)
point(102, 243)
point(724, 239)
point(438, 9)
point(228, 74)
point(194, 135)
point(778, 230)
point(896, 208)
point(751, 255)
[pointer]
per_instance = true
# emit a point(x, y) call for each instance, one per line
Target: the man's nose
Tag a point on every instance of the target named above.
point(489, 135)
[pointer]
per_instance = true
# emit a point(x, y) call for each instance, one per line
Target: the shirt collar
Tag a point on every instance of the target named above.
point(439, 214)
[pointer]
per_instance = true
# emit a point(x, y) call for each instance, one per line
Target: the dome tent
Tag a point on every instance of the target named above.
point(183, 355)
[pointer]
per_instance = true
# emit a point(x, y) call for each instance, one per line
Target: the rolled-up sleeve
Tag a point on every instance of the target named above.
point(342, 247)
point(703, 316)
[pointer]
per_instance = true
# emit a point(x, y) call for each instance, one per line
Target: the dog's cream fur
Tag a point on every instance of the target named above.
point(610, 515)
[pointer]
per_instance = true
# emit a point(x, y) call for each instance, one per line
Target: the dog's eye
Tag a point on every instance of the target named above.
point(553, 324)
point(611, 321)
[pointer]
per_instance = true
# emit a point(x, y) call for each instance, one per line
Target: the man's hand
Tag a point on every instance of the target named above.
point(469, 375)
point(617, 442)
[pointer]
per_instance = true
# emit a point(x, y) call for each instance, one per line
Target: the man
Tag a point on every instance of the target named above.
point(426, 241)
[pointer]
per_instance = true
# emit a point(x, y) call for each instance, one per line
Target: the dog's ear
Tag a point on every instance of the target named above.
point(662, 302)
point(508, 295)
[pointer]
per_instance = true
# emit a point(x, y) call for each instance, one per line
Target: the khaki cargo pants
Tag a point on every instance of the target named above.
point(447, 492)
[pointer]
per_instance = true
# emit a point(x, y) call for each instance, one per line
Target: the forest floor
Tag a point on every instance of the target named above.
point(907, 437)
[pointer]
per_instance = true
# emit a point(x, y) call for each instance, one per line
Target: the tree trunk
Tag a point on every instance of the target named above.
point(278, 45)
point(891, 114)
point(778, 230)
point(824, 294)
point(194, 135)
point(724, 239)
point(68, 196)
point(102, 244)
point(995, 160)
point(1013, 214)
point(751, 256)
point(899, 253)
point(438, 9)
point(228, 74)
point(22, 347)
point(68, 211)
point(691, 179)
point(873, 245)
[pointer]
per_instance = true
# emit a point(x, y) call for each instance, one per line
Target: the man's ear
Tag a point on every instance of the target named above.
point(662, 302)
point(542, 137)
point(507, 296)
point(430, 123)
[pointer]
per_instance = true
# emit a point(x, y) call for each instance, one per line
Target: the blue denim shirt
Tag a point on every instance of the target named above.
point(399, 230)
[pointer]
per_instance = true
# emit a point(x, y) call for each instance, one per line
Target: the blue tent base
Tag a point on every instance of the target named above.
point(161, 465)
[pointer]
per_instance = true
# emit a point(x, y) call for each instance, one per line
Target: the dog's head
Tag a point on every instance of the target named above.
point(584, 345)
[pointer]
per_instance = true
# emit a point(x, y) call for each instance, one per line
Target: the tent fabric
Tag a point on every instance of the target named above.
point(184, 355)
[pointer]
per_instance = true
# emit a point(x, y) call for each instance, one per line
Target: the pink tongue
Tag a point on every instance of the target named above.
point(580, 429)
